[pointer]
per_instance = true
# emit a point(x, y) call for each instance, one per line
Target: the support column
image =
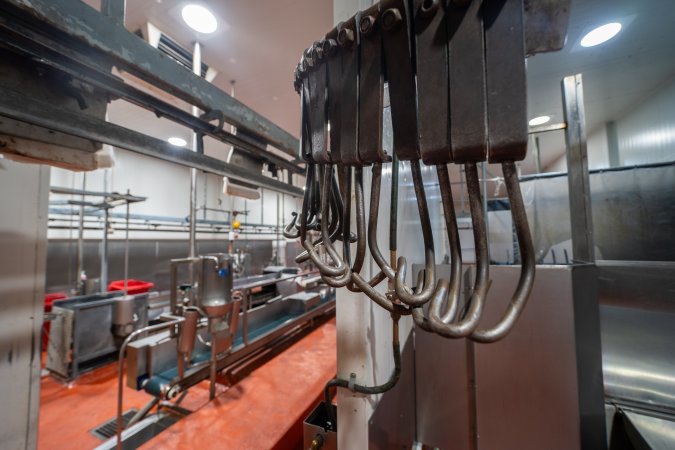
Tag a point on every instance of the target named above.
point(24, 193)
point(583, 249)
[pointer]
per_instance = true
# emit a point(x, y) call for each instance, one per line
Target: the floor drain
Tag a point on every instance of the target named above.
point(109, 428)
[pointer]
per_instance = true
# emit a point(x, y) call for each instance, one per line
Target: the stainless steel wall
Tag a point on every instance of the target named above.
point(24, 193)
point(633, 213)
point(538, 388)
point(148, 259)
point(638, 333)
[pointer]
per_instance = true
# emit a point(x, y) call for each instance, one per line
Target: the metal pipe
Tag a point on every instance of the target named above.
point(80, 240)
point(126, 253)
point(246, 294)
point(485, 205)
point(141, 413)
point(213, 369)
point(104, 249)
point(393, 216)
point(196, 69)
point(369, 390)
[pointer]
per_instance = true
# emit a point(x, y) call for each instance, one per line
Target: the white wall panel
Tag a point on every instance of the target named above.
point(647, 133)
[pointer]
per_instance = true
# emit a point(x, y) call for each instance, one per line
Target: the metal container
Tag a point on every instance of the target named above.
point(317, 431)
point(215, 284)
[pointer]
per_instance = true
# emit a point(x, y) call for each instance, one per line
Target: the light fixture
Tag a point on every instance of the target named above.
point(539, 120)
point(199, 18)
point(178, 142)
point(601, 34)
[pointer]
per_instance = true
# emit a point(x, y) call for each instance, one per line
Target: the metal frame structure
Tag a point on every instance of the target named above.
point(75, 39)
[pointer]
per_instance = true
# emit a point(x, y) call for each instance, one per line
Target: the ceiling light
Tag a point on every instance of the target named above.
point(601, 34)
point(178, 142)
point(199, 18)
point(539, 120)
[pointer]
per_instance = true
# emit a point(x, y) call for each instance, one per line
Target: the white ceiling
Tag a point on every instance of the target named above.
point(263, 39)
point(617, 75)
point(258, 44)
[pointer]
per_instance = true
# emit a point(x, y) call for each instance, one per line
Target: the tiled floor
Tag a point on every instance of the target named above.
point(263, 411)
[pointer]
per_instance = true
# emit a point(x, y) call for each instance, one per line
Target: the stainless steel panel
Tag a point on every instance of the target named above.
point(657, 433)
point(60, 339)
point(633, 211)
point(444, 402)
point(148, 259)
point(637, 284)
point(83, 331)
point(639, 356)
point(541, 386)
point(392, 424)
point(538, 388)
point(638, 330)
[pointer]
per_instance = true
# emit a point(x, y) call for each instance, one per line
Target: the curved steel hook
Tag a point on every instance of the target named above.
point(526, 280)
point(339, 268)
point(341, 210)
point(361, 235)
point(376, 184)
point(289, 230)
point(441, 320)
point(404, 293)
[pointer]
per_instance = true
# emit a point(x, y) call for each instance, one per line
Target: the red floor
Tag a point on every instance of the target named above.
point(262, 411)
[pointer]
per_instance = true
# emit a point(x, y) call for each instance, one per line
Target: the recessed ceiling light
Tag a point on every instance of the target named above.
point(178, 142)
point(199, 18)
point(601, 34)
point(539, 120)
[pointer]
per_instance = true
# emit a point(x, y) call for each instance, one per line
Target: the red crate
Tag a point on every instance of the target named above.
point(133, 286)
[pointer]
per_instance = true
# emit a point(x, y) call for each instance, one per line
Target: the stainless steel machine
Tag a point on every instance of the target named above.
point(213, 321)
point(86, 331)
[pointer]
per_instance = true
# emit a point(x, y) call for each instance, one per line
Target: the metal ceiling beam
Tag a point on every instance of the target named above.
point(20, 107)
point(73, 19)
point(44, 50)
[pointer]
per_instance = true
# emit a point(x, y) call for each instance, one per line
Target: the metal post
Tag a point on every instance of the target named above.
point(577, 170)
point(537, 154)
point(485, 204)
point(104, 249)
point(80, 240)
point(196, 69)
point(126, 253)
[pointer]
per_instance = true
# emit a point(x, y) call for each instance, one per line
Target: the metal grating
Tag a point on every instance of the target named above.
point(109, 428)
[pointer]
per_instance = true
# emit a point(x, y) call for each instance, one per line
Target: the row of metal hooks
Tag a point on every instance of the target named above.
point(454, 72)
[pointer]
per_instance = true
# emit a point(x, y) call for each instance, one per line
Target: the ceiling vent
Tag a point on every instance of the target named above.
point(170, 47)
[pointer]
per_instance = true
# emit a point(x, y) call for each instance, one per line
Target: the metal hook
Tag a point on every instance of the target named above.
point(361, 235)
point(526, 279)
point(339, 268)
point(448, 292)
point(405, 293)
point(289, 230)
point(376, 184)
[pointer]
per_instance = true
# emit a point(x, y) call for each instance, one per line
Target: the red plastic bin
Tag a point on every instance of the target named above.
point(133, 286)
point(49, 300)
